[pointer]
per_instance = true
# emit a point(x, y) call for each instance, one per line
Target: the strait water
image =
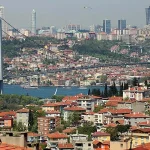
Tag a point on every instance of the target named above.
point(46, 92)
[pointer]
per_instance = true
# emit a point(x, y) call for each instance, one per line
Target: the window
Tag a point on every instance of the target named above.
point(121, 145)
point(89, 144)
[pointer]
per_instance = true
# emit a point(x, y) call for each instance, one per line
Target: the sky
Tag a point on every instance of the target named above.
point(61, 12)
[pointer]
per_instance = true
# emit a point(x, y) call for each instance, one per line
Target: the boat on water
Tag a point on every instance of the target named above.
point(26, 86)
point(82, 87)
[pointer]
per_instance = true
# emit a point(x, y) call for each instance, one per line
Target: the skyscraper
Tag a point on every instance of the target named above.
point(107, 26)
point(121, 25)
point(3, 23)
point(33, 22)
point(147, 16)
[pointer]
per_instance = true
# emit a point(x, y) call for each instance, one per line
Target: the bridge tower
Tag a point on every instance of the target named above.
point(1, 59)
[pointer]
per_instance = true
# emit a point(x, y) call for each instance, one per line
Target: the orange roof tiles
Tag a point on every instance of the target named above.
point(146, 123)
point(99, 133)
point(65, 146)
point(9, 113)
point(111, 125)
point(33, 134)
point(120, 111)
point(143, 130)
point(52, 112)
point(74, 108)
point(23, 110)
point(95, 142)
point(69, 130)
point(120, 122)
point(50, 105)
point(145, 146)
point(5, 146)
point(57, 135)
point(136, 115)
point(112, 103)
point(89, 113)
point(114, 98)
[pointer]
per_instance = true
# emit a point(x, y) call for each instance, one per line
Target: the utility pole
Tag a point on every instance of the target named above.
point(1, 59)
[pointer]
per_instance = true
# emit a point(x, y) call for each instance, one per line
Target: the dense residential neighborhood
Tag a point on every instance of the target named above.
point(85, 121)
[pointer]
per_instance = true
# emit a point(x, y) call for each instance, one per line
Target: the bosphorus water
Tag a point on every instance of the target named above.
point(46, 92)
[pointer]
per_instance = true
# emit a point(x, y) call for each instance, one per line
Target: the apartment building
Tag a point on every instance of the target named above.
point(72, 109)
point(54, 138)
point(137, 93)
point(47, 124)
point(87, 102)
point(6, 123)
point(23, 116)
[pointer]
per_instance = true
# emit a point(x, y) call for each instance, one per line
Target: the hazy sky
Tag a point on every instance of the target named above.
point(62, 12)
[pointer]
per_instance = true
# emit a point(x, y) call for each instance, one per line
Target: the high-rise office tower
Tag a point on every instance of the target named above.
point(3, 22)
point(147, 16)
point(121, 25)
point(33, 22)
point(107, 26)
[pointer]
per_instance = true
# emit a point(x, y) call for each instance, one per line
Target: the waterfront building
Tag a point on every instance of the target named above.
point(107, 26)
point(33, 22)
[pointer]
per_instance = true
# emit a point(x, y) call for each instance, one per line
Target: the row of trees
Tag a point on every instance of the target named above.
point(14, 102)
point(109, 91)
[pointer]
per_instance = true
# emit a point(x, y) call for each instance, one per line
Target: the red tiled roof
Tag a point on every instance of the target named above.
point(95, 142)
point(69, 130)
point(114, 98)
point(145, 146)
point(74, 108)
point(89, 113)
point(23, 110)
point(112, 103)
point(136, 115)
point(50, 105)
point(33, 134)
point(143, 130)
point(5, 146)
point(57, 135)
point(65, 146)
point(111, 125)
point(9, 113)
point(97, 134)
point(121, 122)
point(146, 123)
point(120, 111)
point(52, 112)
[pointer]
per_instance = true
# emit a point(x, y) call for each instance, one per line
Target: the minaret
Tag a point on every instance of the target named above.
point(1, 59)
point(33, 22)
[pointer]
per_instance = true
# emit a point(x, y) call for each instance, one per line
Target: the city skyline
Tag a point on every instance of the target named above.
point(58, 13)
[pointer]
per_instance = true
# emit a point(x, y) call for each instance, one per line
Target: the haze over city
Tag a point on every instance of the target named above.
point(60, 13)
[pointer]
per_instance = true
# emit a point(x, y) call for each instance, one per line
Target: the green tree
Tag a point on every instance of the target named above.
point(103, 78)
point(19, 127)
point(98, 108)
point(106, 91)
point(121, 90)
point(123, 128)
point(113, 133)
point(58, 97)
point(135, 82)
point(89, 92)
point(87, 128)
